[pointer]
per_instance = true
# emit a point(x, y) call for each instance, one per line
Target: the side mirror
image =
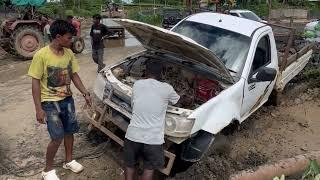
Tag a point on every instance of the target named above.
point(264, 74)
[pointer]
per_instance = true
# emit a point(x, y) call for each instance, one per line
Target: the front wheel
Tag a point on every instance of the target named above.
point(78, 45)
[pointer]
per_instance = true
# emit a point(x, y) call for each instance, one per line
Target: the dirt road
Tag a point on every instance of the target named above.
point(270, 134)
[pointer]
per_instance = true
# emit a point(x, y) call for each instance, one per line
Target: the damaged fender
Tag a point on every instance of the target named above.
point(211, 118)
point(219, 112)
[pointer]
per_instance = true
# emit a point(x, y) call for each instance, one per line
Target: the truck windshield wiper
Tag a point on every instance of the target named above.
point(232, 71)
point(187, 62)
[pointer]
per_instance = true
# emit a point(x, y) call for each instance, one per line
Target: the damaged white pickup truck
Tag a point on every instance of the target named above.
point(223, 67)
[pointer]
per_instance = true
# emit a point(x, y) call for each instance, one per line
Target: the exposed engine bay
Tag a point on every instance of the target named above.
point(194, 86)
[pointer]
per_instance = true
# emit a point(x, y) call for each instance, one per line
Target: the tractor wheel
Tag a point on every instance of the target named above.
point(77, 45)
point(27, 40)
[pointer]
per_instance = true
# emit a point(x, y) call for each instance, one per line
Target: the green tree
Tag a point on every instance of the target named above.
point(117, 1)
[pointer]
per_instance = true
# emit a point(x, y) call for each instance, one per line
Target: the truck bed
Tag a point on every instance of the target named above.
point(114, 27)
point(110, 23)
point(294, 65)
point(293, 54)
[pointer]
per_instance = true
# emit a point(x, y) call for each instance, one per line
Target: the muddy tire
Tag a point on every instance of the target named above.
point(274, 98)
point(27, 40)
point(77, 45)
point(220, 146)
point(179, 165)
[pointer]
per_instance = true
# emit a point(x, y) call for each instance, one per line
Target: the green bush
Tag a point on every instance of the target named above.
point(312, 75)
point(78, 12)
point(261, 9)
point(312, 172)
point(69, 12)
point(52, 9)
point(317, 27)
point(87, 8)
point(82, 12)
point(135, 14)
point(309, 34)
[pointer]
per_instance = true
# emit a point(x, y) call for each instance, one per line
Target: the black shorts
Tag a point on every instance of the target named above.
point(152, 155)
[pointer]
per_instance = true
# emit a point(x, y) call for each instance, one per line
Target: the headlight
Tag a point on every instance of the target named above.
point(178, 126)
point(99, 86)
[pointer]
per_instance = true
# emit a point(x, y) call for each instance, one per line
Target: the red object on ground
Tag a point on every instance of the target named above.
point(207, 89)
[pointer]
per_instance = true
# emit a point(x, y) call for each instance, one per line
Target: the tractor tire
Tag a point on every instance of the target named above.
point(78, 45)
point(27, 40)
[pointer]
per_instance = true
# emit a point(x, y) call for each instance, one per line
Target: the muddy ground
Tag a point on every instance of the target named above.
point(270, 134)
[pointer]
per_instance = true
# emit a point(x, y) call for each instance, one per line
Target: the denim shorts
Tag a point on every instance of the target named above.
point(60, 117)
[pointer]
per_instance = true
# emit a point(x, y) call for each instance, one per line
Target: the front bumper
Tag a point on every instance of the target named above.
point(117, 95)
point(103, 117)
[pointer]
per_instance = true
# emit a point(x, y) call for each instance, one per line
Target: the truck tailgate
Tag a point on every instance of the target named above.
point(292, 70)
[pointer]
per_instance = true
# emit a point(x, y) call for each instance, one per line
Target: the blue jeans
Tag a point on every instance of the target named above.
point(61, 117)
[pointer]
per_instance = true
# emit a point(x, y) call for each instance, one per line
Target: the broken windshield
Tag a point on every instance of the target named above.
point(232, 48)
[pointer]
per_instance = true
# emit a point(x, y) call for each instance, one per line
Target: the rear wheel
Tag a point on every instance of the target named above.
point(27, 40)
point(77, 45)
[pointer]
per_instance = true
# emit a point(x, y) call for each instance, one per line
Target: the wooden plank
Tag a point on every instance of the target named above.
point(108, 132)
point(166, 170)
point(117, 108)
point(286, 54)
point(291, 59)
point(120, 122)
point(169, 165)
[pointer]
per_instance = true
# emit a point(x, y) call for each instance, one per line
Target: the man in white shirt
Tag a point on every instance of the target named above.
point(145, 133)
point(46, 30)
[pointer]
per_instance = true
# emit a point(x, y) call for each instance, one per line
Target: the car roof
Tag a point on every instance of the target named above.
point(240, 11)
point(232, 23)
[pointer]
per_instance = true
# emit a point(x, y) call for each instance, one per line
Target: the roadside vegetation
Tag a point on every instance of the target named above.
point(311, 173)
point(86, 8)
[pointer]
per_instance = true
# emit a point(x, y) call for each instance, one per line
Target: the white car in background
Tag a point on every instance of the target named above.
point(246, 14)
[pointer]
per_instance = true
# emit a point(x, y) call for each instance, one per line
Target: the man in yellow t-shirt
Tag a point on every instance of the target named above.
point(53, 68)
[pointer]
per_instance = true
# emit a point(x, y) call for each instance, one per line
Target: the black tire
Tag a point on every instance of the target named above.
point(78, 45)
point(179, 165)
point(220, 145)
point(27, 40)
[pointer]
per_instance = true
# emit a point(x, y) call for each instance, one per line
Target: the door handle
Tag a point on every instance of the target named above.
point(252, 86)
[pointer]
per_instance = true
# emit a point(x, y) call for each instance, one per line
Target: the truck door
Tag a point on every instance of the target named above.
point(256, 93)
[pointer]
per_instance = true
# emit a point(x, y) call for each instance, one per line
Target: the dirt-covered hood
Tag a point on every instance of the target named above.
point(159, 39)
